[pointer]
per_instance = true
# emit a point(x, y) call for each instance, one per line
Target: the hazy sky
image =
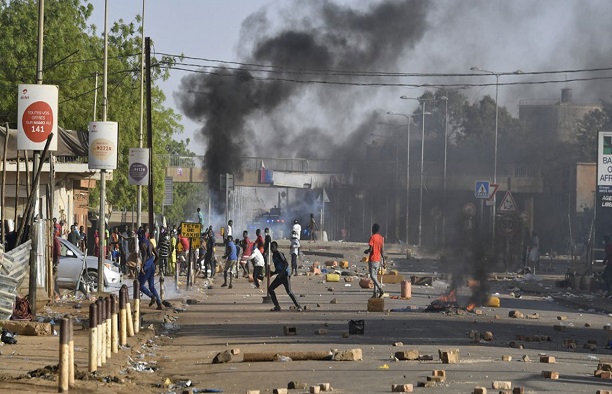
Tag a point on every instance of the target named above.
point(448, 36)
point(200, 28)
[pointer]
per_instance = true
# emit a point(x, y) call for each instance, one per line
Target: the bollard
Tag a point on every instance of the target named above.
point(107, 307)
point(136, 306)
point(103, 329)
point(64, 356)
point(99, 330)
point(114, 325)
point(93, 337)
point(122, 318)
point(70, 350)
point(128, 313)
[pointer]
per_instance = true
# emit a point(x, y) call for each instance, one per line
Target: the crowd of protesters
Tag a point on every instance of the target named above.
point(143, 252)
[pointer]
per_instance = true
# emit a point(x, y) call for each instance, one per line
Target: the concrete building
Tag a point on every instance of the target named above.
point(555, 119)
point(564, 208)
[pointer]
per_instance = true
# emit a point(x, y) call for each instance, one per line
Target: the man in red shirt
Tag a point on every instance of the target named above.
point(375, 257)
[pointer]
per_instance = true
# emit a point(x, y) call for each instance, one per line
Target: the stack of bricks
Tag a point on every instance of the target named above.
point(437, 376)
point(604, 370)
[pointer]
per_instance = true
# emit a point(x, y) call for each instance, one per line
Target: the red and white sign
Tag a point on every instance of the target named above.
point(37, 116)
point(103, 145)
point(508, 205)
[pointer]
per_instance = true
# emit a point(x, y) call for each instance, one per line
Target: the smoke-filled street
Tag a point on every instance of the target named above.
point(209, 319)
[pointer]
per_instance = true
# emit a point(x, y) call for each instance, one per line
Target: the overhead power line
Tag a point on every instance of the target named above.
point(276, 69)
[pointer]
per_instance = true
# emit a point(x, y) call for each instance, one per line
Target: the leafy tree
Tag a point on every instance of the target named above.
point(585, 139)
point(72, 58)
point(187, 196)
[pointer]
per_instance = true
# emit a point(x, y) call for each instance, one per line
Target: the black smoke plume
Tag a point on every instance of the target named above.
point(246, 112)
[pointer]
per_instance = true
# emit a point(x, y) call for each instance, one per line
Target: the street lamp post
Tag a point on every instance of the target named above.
point(422, 165)
point(396, 173)
point(444, 177)
point(494, 149)
point(423, 113)
point(409, 117)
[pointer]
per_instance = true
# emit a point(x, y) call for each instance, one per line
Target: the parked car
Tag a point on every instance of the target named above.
point(71, 266)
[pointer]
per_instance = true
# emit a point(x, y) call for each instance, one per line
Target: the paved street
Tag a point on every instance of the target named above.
point(204, 322)
point(225, 319)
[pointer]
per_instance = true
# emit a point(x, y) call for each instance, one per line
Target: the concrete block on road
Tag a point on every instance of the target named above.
point(402, 388)
point(366, 283)
point(376, 305)
point(518, 390)
point(280, 391)
point(407, 355)
point(235, 351)
point(479, 390)
point(325, 386)
point(547, 359)
point(252, 392)
point(554, 375)
point(487, 336)
point(315, 389)
point(501, 385)
point(438, 372)
point(223, 357)
point(516, 314)
point(604, 366)
point(349, 355)
point(290, 330)
point(294, 385)
point(450, 356)
point(506, 357)
point(426, 384)
point(561, 317)
point(437, 379)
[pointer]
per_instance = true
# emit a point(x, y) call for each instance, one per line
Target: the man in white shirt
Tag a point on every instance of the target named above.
point(297, 228)
point(258, 266)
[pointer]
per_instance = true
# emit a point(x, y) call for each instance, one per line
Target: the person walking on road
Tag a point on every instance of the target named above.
point(295, 251)
point(247, 248)
point(376, 255)
point(258, 266)
point(297, 228)
point(231, 260)
point(146, 276)
point(312, 227)
point(281, 270)
point(163, 250)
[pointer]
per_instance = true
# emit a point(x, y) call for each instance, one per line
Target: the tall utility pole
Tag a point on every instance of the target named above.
point(142, 71)
point(149, 130)
point(101, 220)
point(35, 160)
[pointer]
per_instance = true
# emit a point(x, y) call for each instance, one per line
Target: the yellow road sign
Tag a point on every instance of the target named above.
point(191, 230)
point(195, 243)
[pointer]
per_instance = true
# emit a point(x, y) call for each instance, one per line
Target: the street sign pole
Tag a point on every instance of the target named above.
point(188, 281)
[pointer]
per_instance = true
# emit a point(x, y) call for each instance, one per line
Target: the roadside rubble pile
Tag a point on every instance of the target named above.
point(108, 324)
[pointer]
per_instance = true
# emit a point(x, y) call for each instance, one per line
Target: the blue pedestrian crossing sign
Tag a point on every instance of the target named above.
point(482, 189)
